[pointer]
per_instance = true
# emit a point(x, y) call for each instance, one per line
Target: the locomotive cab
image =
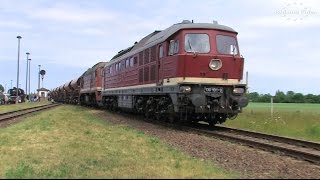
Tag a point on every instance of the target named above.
point(209, 71)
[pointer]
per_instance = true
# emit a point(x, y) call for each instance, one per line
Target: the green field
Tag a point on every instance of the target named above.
point(293, 120)
point(72, 142)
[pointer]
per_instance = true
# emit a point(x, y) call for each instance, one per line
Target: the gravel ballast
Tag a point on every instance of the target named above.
point(245, 161)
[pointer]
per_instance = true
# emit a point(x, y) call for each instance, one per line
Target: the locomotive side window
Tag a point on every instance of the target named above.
point(131, 62)
point(127, 63)
point(120, 66)
point(110, 69)
point(101, 72)
point(176, 47)
point(197, 43)
point(173, 47)
point(161, 52)
point(135, 60)
point(226, 45)
point(123, 64)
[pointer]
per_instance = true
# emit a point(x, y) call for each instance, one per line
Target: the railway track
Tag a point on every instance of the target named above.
point(300, 149)
point(14, 114)
point(305, 150)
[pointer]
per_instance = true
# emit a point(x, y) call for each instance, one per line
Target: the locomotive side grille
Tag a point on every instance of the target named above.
point(153, 73)
point(153, 54)
point(146, 73)
point(146, 56)
point(141, 58)
point(140, 75)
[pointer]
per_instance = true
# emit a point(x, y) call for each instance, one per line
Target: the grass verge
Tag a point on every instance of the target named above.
point(71, 142)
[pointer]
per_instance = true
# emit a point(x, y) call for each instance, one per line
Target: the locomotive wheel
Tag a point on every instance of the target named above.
point(158, 116)
point(172, 116)
point(212, 123)
point(114, 106)
point(148, 115)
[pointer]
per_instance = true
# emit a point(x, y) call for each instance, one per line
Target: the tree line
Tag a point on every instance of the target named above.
point(1, 88)
point(281, 97)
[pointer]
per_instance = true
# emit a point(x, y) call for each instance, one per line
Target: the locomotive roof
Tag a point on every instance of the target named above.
point(160, 36)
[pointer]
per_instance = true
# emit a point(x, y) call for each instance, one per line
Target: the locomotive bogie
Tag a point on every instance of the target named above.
point(186, 101)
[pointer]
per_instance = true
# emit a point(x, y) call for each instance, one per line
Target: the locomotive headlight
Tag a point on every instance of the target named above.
point(215, 64)
point(185, 89)
point(238, 91)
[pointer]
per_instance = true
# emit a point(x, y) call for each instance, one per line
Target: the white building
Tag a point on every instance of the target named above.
point(43, 92)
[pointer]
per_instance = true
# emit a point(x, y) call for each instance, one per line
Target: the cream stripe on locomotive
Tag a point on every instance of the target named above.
point(191, 80)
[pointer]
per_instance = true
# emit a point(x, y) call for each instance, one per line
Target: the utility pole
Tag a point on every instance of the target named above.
point(39, 77)
point(271, 108)
point(27, 72)
point(39, 83)
point(17, 92)
point(247, 77)
point(29, 75)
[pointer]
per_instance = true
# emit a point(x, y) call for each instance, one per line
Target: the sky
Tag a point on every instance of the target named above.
point(279, 39)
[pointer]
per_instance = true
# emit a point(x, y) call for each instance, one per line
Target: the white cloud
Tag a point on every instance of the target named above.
point(14, 24)
point(289, 14)
point(71, 14)
point(278, 21)
point(93, 31)
point(296, 44)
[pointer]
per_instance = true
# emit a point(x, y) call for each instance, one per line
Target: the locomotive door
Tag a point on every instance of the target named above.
point(159, 57)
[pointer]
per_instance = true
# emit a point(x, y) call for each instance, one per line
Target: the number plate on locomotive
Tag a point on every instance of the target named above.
point(213, 89)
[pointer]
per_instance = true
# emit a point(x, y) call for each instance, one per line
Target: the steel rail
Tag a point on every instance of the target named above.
point(282, 139)
point(263, 142)
point(22, 112)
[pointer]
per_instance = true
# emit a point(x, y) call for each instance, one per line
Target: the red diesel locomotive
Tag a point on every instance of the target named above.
point(189, 72)
point(91, 85)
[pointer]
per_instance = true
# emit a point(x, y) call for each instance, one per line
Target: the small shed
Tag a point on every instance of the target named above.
point(43, 92)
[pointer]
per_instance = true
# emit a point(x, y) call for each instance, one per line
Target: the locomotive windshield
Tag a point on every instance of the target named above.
point(197, 43)
point(226, 45)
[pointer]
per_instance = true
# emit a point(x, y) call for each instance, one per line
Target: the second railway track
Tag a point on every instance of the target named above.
point(19, 113)
point(300, 149)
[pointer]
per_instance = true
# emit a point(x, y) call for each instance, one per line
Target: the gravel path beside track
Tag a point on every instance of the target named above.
point(246, 161)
